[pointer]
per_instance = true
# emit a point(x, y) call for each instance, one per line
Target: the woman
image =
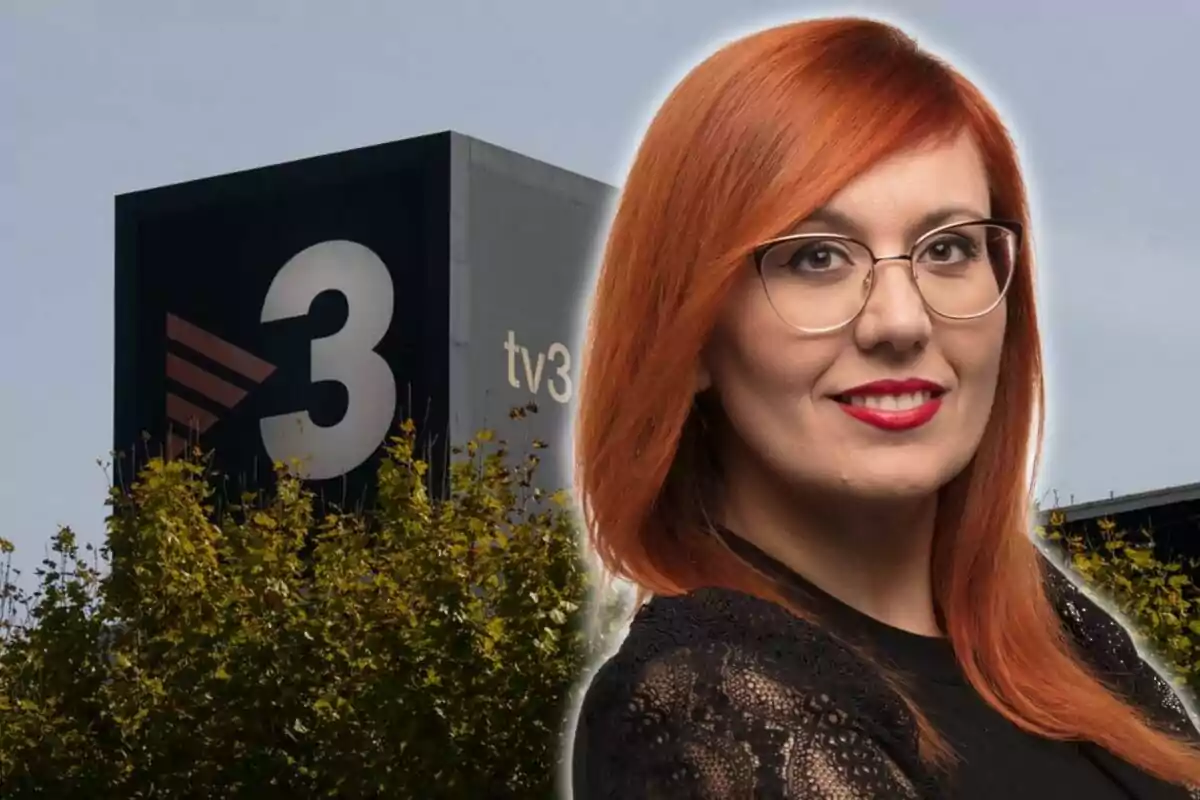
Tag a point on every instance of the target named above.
point(810, 394)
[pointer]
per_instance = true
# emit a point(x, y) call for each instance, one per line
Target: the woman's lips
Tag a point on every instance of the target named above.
point(896, 410)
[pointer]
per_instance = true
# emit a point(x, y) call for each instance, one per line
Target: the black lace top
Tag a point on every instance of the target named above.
point(718, 694)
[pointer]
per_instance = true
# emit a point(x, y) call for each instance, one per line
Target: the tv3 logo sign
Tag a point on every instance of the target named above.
point(347, 357)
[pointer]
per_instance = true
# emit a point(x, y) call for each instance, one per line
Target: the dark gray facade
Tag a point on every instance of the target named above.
point(1171, 515)
point(300, 311)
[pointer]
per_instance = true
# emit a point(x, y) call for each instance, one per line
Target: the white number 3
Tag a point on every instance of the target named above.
point(347, 357)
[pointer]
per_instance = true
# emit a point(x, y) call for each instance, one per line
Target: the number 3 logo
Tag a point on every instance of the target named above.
point(347, 357)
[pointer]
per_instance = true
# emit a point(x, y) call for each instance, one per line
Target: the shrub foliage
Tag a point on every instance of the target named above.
point(1157, 597)
point(251, 647)
point(428, 647)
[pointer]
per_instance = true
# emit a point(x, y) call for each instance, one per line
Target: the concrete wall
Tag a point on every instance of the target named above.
point(525, 241)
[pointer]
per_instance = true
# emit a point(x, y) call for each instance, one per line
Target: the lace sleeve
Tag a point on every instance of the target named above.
point(1110, 649)
point(705, 722)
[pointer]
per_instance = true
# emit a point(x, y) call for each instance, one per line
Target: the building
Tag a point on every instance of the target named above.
point(1171, 514)
point(297, 312)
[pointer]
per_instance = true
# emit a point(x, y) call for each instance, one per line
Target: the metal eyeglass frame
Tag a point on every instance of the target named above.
point(1013, 227)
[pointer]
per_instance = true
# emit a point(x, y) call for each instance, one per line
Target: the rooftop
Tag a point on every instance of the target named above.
point(1112, 506)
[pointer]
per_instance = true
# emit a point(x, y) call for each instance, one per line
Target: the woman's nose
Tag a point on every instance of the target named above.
point(895, 314)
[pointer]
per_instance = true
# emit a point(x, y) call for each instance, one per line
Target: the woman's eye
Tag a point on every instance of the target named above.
point(949, 250)
point(817, 258)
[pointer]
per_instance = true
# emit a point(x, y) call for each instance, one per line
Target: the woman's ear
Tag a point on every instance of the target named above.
point(703, 379)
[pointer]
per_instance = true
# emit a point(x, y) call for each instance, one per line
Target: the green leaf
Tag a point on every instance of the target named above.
point(427, 643)
point(1159, 597)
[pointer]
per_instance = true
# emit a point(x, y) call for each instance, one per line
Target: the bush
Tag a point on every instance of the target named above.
point(252, 648)
point(1159, 598)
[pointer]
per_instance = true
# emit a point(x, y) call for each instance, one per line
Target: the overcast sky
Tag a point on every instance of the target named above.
point(100, 98)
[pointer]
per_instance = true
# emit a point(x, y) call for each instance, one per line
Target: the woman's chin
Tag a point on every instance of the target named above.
point(883, 484)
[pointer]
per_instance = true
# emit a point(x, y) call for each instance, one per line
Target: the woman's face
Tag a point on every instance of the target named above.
point(784, 392)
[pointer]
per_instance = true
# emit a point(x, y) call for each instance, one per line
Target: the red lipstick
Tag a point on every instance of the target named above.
point(893, 419)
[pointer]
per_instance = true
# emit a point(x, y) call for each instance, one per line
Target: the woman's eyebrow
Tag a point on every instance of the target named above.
point(944, 216)
point(835, 221)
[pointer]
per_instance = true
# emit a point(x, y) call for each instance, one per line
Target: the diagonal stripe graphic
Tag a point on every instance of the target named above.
point(175, 444)
point(204, 382)
point(189, 419)
point(189, 415)
point(219, 350)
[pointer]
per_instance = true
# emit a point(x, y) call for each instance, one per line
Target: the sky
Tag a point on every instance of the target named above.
point(101, 98)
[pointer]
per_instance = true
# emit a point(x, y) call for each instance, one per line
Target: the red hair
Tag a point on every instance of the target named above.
point(752, 140)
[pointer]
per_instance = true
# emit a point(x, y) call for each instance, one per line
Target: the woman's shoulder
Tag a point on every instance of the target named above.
point(1109, 649)
point(708, 685)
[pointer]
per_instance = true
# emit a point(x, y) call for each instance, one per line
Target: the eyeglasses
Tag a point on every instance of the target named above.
point(820, 282)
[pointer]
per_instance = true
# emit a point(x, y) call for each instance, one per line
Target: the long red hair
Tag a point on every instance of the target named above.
point(752, 140)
